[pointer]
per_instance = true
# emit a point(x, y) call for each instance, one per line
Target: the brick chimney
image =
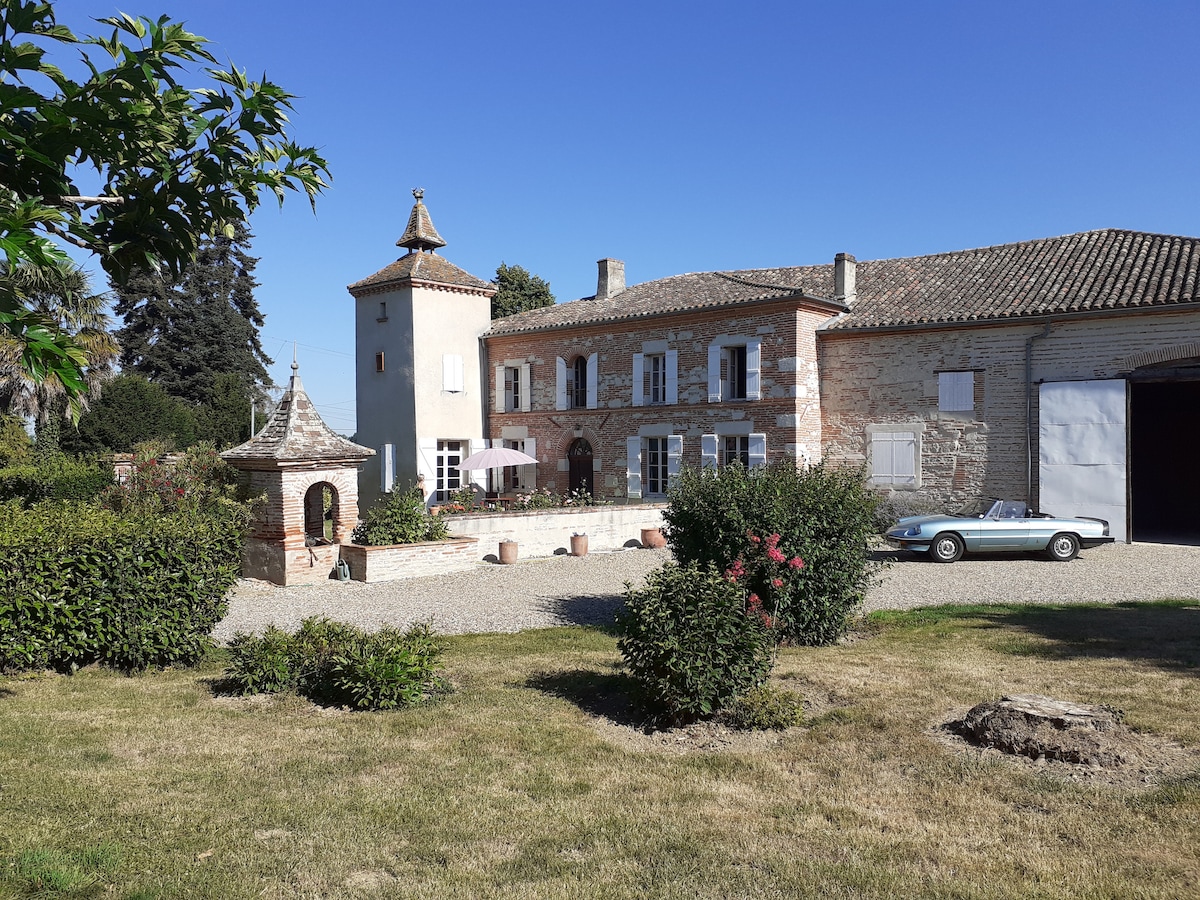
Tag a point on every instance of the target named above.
point(612, 278)
point(844, 288)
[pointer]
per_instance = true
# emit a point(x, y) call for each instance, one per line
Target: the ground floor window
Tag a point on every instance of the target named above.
point(895, 455)
point(735, 448)
point(654, 466)
point(449, 479)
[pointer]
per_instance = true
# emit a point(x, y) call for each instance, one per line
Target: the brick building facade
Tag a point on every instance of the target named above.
point(1055, 370)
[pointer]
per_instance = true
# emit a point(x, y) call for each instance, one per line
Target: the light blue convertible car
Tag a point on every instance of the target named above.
point(997, 525)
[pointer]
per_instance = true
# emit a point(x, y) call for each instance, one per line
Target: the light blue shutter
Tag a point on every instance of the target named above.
point(633, 467)
point(560, 383)
point(593, 381)
point(529, 472)
point(672, 361)
point(714, 373)
point(387, 467)
point(501, 405)
point(758, 450)
point(674, 456)
point(477, 477)
point(639, 379)
point(753, 369)
point(427, 464)
point(708, 451)
point(525, 382)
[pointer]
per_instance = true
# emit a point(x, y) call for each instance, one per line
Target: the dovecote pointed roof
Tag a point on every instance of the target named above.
point(420, 233)
point(295, 436)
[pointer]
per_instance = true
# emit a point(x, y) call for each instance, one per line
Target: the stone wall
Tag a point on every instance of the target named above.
point(390, 563)
point(891, 377)
point(788, 413)
point(547, 532)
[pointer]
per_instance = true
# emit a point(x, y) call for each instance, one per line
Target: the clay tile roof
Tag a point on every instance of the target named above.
point(1091, 271)
point(428, 268)
point(420, 233)
point(295, 434)
point(679, 293)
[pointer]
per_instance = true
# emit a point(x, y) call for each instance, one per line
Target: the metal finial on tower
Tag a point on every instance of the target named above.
point(295, 365)
point(419, 193)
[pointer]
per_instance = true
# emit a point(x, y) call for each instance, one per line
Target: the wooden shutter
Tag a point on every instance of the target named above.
point(500, 406)
point(526, 383)
point(639, 379)
point(753, 370)
point(758, 450)
point(560, 383)
point(427, 464)
point(708, 451)
point(672, 363)
point(674, 455)
point(633, 467)
point(387, 467)
point(593, 381)
point(714, 373)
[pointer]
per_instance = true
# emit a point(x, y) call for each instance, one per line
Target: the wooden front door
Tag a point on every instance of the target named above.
point(580, 458)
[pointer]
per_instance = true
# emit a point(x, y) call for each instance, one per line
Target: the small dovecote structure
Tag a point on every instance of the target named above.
point(298, 462)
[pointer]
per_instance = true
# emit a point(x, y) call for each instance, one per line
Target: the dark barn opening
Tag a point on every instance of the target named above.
point(1164, 436)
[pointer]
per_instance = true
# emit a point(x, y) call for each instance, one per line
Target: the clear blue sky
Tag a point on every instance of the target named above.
point(692, 136)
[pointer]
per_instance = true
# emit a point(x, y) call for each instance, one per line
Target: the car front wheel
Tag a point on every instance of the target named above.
point(1063, 547)
point(946, 548)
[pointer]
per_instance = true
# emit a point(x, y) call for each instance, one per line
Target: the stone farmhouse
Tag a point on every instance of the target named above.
point(1064, 371)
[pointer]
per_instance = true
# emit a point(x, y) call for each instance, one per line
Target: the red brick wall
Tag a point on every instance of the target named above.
point(788, 413)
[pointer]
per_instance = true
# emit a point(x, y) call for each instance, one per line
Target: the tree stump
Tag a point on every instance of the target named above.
point(1041, 727)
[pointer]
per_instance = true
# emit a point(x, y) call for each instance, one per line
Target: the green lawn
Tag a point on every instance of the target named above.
point(155, 786)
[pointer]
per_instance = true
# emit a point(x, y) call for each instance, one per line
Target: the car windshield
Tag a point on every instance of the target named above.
point(976, 509)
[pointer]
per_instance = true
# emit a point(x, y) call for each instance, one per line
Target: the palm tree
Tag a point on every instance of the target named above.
point(61, 294)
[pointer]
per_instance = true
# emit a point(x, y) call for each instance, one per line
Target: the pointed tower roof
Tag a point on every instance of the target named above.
point(295, 436)
point(420, 233)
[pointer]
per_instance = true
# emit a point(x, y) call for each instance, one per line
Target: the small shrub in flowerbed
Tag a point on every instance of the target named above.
point(547, 499)
point(822, 515)
point(339, 664)
point(399, 517)
point(691, 643)
point(765, 708)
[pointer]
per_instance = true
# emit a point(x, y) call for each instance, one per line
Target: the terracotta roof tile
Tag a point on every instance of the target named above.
point(296, 433)
point(1092, 270)
point(428, 268)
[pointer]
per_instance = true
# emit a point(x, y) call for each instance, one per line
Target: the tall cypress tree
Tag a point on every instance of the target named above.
point(183, 334)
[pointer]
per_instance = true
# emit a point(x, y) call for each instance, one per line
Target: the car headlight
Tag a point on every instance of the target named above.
point(911, 531)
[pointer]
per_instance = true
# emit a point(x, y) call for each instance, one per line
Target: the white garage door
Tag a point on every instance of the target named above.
point(1081, 442)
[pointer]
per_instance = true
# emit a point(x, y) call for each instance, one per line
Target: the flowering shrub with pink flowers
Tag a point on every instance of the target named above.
point(795, 538)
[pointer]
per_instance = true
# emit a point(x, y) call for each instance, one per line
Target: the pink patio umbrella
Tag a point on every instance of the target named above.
point(496, 458)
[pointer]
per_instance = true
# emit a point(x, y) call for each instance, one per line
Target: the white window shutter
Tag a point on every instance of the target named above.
point(633, 467)
point(708, 451)
point(758, 450)
point(387, 467)
point(427, 464)
point(904, 449)
point(593, 381)
point(672, 361)
point(500, 405)
point(529, 472)
point(674, 455)
point(452, 373)
point(714, 373)
point(560, 383)
point(526, 400)
point(639, 379)
point(753, 370)
point(956, 391)
point(477, 477)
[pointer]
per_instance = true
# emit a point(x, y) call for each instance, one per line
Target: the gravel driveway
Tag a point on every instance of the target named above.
point(537, 593)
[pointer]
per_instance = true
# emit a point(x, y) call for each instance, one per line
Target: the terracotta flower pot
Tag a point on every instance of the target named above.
point(579, 545)
point(652, 538)
point(508, 552)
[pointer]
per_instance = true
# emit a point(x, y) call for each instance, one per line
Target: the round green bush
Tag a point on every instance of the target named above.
point(399, 517)
point(690, 643)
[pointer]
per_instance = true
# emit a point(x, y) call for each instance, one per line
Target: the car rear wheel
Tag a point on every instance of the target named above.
point(1063, 547)
point(946, 548)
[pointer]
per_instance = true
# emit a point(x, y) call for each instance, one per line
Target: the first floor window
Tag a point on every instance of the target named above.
point(735, 448)
point(956, 392)
point(735, 373)
point(577, 384)
point(654, 466)
point(895, 456)
point(449, 479)
point(656, 376)
point(512, 388)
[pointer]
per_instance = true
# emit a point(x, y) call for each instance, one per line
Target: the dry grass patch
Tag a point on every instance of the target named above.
point(535, 779)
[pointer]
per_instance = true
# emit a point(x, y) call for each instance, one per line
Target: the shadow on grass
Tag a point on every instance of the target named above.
point(599, 610)
point(5, 693)
point(605, 695)
point(1165, 633)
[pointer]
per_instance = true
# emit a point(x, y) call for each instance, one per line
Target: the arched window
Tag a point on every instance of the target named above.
point(320, 512)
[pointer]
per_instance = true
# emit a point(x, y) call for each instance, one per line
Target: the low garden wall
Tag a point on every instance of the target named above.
point(547, 532)
point(388, 563)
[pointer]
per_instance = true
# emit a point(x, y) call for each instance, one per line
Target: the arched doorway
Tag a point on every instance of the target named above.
point(580, 458)
point(320, 512)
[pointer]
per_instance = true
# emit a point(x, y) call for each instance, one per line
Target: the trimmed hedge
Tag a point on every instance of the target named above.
point(64, 479)
point(81, 584)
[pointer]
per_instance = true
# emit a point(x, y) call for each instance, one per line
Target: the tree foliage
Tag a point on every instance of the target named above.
point(196, 334)
point(131, 411)
point(518, 291)
point(173, 164)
